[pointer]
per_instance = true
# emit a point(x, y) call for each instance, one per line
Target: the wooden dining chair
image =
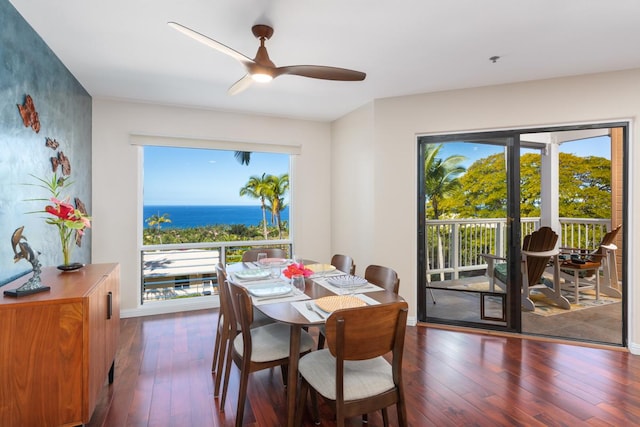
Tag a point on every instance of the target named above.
point(344, 263)
point(385, 277)
point(224, 331)
point(251, 255)
point(352, 374)
point(254, 349)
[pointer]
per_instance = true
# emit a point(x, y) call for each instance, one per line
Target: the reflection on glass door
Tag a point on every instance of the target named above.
point(464, 239)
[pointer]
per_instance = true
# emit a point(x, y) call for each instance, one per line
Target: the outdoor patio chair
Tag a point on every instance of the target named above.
point(538, 248)
point(581, 267)
point(352, 374)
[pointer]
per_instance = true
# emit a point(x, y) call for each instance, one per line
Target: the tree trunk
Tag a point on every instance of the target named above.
point(278, 225)
point(264, 221)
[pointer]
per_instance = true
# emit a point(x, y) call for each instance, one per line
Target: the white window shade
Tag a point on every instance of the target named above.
point(214, 144)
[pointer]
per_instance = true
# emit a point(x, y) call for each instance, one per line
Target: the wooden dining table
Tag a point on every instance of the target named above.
point(286, 313)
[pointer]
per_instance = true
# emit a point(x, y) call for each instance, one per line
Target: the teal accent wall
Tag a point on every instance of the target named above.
point(29, 67)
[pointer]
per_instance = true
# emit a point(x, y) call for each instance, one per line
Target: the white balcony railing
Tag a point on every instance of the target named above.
point(188, 270)
point(454, 247)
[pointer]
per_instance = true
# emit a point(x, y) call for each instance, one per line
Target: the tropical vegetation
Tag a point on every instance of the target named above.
point(440, 178)
point(481, 192)
point(584, 188)
point(211, 233)
point(155, 223)
point(270, 190)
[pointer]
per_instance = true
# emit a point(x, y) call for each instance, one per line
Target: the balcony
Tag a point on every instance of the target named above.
point(454, 247)
point(188, 270)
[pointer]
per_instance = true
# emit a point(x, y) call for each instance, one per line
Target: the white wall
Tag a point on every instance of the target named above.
point(353, 186)
point(355, 181)
point(116, 172)
point(397, 121)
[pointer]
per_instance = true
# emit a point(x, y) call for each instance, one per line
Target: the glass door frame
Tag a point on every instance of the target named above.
point(511, 142)
point(514, 321)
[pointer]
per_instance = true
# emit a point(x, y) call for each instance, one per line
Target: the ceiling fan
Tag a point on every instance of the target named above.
point(261, 68)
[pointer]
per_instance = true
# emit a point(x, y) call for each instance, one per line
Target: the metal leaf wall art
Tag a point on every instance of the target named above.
point(63, 161)
point(29, 114)
point(81, 207)
point(52, 143)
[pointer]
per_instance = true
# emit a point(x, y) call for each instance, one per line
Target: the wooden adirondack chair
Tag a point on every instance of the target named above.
point(537, 249)
point(581, 268)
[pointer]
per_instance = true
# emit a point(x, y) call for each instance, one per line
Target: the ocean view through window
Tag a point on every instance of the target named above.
point(203, 215)
point(204, 206)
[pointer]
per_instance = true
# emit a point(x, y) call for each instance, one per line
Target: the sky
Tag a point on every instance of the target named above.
point(189, 176)
point(599, 146)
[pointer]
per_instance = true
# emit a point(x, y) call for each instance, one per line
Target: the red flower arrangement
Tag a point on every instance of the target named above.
point(67, 219)
point(294, 269)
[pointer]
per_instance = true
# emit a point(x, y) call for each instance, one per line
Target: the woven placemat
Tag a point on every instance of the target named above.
point(337, 302)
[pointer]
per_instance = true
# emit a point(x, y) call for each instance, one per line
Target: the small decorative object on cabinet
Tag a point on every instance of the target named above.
point(22, 250)
point(59, 347)
point(71, 221)
point(74, 266)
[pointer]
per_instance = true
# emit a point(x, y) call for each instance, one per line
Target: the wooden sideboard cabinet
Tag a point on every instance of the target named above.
point(57, 348)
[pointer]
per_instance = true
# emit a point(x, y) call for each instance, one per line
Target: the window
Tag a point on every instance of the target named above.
point(204, 206)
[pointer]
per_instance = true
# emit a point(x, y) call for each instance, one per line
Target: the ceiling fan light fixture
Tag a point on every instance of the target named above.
point(261, 69)
point(261, 77)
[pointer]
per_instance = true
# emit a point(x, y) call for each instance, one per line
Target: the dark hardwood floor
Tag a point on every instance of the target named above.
point(452, 378)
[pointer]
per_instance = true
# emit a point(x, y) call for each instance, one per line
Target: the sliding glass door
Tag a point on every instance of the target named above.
point(481, 197)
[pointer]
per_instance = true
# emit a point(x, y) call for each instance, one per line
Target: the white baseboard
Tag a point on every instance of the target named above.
point(634, 348)
point(172, 306)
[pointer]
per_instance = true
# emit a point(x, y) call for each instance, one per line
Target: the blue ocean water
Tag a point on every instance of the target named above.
point(200, 216)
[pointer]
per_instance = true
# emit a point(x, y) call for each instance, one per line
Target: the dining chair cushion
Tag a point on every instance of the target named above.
point(362, 378)
point(271, 342)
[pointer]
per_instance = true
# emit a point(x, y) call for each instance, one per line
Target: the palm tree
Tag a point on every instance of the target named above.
point(244, 157)
point(278, 187)
point(440, 176)
point(258, 188)
point(440, 180)
point(155, 221)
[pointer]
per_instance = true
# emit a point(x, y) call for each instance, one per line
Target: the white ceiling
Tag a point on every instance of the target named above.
point(124, 48)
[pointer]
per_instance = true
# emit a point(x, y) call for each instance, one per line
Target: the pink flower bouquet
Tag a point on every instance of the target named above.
point(294, 269)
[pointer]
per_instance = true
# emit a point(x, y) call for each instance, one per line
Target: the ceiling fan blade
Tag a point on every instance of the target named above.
point(321, 72)
point(211, 43)
point(240, 85)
